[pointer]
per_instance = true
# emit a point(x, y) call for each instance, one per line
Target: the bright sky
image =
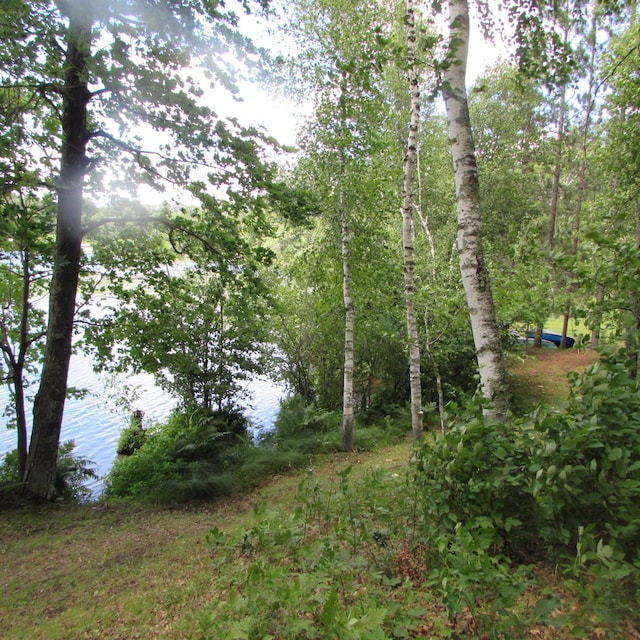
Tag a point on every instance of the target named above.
point(282, 118)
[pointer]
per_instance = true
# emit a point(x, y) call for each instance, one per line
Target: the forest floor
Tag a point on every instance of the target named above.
point(541, 374)
point(133, 571)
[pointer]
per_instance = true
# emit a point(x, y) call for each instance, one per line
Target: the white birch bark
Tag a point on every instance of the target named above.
point(349, 308)
point(408, 229)
point(472, 265)
point(347, 397)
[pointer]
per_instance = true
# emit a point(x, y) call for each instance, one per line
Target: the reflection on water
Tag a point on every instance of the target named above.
point(94, 421)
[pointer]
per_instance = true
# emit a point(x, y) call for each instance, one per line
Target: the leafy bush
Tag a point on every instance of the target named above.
point(564, 479)
point(9, 469)
point(477, 475)
point(295, 417)
point(182, 460)
point(303, 428)
point(457, 363)
point(72, 472)
point(587, 462)
point(131, 437)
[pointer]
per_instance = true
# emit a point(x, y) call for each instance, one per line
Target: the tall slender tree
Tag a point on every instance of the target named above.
point(340, 60)
point(475, 276)
point(25, 260)
point(408, 206)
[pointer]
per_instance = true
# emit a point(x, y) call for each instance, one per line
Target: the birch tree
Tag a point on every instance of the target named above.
point(408, 224)
point(339, 61)
point(475, 276)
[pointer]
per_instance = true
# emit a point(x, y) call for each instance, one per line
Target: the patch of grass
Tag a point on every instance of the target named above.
point(541, 375)
point(575, 328)
point(337, 548)
point(130, 570)
point(336, 544)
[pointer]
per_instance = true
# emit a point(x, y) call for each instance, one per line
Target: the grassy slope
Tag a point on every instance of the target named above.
point(112, 572)
point(542, 374)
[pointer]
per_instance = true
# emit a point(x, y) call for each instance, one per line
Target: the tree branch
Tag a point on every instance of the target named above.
point(162, 221)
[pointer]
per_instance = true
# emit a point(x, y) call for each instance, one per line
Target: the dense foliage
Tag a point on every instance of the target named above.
point(202, 453)
point(560, 483)
point(186, 458)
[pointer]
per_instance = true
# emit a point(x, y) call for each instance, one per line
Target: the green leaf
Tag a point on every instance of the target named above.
point(545, 606)
point(615, 454)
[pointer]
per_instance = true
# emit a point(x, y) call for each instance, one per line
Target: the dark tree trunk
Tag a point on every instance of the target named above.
point(49, 402)
point(17, 366)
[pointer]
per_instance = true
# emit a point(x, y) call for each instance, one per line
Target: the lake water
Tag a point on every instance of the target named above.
point(94, 421)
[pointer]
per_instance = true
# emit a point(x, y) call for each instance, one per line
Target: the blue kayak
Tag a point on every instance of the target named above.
point(556, 338)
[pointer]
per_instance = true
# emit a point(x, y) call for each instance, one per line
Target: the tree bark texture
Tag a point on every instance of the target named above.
point(349, 308)
point(347, 401)
point(408, 231)
point(475, 277)
point(18, 366)
point(49, 401)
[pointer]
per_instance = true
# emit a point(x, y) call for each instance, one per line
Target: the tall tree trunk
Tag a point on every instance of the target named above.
point(347, 391)
point(555, 192)
point(436, 373)
point(472, 265)
point(582, 178)
point(18, 365)
point(424, 221)
point(349, 308)
point(408, 228)
point(49, 402)
point(555, 187)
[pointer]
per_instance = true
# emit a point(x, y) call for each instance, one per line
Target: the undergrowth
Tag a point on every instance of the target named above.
point(339, 565)
point(454, 548)
point(561, 484)
point(354, 561)
point(201, 454)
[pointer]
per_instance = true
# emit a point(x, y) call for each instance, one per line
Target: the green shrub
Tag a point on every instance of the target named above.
point(308, 430)
point(586, 467)
point(187, 458)
point(565, 480)
point(296, 417)
point(479, 470)
point(72, 472)
point(131, 437)
point(9, 469)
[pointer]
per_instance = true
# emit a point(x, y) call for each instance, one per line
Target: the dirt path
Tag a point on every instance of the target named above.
point(542, 375)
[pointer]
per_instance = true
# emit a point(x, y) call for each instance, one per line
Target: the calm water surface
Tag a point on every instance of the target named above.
point(94, 422)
